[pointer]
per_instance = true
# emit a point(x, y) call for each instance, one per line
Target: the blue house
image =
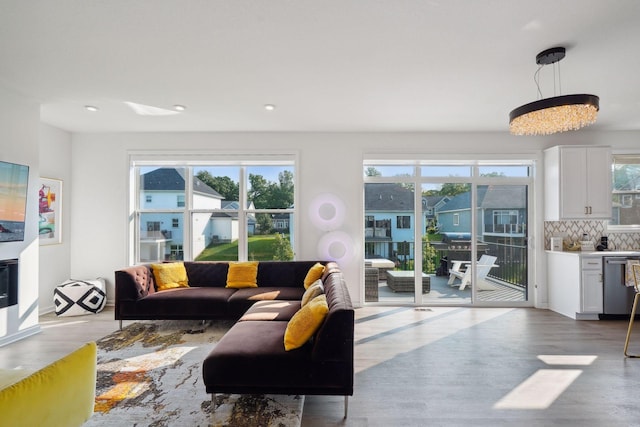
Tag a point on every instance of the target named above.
point(389, 221)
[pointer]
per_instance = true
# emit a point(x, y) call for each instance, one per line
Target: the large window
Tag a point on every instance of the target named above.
point(626, 192)
point(213, 211)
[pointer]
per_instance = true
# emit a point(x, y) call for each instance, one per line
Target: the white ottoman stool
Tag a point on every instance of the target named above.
point(78, 297)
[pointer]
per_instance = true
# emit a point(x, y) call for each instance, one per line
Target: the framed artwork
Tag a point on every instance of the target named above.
point(50, 211)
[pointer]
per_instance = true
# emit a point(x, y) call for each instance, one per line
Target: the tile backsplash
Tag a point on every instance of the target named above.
point(573, 231)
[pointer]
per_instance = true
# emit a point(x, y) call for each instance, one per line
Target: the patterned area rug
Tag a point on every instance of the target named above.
point(150, 374)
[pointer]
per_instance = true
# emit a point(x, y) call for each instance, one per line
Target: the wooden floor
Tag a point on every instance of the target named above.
point(444, 366)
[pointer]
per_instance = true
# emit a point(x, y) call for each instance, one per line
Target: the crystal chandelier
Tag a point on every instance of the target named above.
point(556, 114)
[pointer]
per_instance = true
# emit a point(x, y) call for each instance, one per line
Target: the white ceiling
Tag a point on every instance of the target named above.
point(328, 65)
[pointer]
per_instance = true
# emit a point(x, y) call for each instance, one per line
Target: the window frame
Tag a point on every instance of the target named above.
point(626, 228)
point(403, 222)
point(529, 178)
point(189, 161)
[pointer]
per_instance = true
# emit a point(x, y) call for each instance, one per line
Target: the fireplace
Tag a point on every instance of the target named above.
point(8, 282)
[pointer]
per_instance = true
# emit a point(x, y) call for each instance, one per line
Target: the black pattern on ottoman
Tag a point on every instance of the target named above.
point(78, 297)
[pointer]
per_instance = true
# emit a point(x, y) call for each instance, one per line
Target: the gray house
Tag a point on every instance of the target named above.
point(502, 213)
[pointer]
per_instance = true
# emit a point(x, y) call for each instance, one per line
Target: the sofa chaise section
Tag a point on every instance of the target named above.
point(251, 358)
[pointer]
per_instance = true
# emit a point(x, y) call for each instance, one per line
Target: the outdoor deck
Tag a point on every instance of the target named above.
point(442, 293)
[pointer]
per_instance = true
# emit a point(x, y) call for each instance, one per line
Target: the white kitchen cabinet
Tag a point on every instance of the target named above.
point(577, 182)
point(575, 284)
point(591, 285)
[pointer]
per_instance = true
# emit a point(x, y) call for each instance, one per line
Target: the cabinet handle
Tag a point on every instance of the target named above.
point(586, 210)
point(590, 212)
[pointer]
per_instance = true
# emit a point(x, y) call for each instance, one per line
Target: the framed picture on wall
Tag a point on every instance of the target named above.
point(50, 211)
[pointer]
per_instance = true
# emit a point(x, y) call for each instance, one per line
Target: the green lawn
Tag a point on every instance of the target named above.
point(260, 249)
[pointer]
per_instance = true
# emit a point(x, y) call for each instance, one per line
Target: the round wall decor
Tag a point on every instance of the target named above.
point(335, 246)
point(327, 211)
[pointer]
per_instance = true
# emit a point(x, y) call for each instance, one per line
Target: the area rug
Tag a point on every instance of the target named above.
point(150, 374)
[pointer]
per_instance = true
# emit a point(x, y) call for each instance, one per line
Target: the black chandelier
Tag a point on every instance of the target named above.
point(556, 114)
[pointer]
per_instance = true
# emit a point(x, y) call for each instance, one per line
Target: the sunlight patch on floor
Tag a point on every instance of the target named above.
point(567, 359)
point(388, 331)
point(540, 390)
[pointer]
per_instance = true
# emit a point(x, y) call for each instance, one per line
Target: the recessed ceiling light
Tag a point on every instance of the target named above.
point(91, 108)
point(179, 107)
point(269, 107)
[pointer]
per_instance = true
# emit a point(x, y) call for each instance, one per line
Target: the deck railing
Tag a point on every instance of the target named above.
point(512, 265)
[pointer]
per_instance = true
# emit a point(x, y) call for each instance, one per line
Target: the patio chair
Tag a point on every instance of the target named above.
point(483, 266)
point(636, 278)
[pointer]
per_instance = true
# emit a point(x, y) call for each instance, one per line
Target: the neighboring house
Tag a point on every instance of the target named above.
point(281, 222)
point(224, 223)
point(502, 213)
point(389, 221)
point(455, 216)
point(430, 205)
point(626, 206)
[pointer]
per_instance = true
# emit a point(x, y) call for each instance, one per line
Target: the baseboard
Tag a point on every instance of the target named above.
point(46, 310)
point(20, 335)
point(51, 308)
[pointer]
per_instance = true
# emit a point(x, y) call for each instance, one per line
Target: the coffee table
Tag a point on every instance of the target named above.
point(403, 281)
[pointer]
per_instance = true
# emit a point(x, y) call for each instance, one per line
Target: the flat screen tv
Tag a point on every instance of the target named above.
point(13, 201)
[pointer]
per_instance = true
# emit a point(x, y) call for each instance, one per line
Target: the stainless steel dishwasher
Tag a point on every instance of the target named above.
point(617, 297)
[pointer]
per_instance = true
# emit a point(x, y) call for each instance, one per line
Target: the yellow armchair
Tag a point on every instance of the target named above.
point(60, 394)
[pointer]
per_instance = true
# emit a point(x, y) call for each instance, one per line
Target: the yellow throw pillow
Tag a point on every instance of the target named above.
point(313, 291)
point(170, 275)
point(313, 274)
point(305, 323)
point(242, 275)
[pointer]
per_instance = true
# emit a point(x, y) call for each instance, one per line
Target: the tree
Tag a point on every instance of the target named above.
point(428, 256)
point(224, 185)
point(264, 223)
point(280, 195)
point(271, 195)
point(282, 250)
point(258, 192)
point(432, 226)
point(493, 174)
point(451, 189)
point(371, 171)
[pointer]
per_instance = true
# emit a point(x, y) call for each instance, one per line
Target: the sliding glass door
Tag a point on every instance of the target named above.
point(460, 239)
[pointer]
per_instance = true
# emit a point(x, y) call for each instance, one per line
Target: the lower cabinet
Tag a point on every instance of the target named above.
point(591, 289)
point(575, 284)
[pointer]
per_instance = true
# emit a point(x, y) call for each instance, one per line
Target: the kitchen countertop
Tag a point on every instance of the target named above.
point(598, 253)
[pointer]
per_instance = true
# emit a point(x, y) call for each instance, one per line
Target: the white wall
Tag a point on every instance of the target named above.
point(328, 162)
point(19, 121)
point(55, 162)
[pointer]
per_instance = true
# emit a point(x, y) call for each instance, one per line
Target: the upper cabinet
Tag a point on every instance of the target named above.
point(577, 182)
